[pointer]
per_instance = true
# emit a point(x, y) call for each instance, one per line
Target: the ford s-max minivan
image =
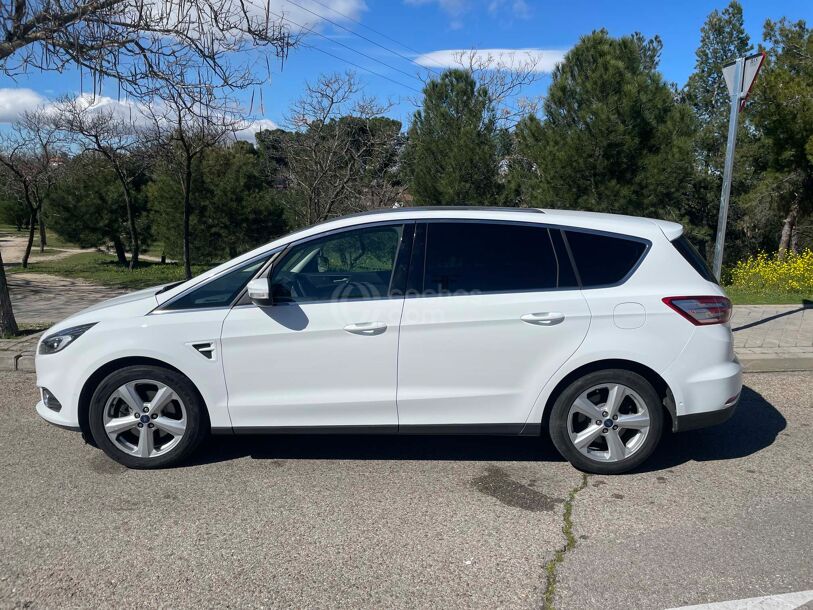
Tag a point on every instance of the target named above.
point(601, 330)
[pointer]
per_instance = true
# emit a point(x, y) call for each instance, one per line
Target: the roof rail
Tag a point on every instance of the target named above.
point(442, 208)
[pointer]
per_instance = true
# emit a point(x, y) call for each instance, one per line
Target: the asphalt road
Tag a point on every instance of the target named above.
point(719, 514)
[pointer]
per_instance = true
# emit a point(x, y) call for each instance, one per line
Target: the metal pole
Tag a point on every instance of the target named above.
point(736, 97)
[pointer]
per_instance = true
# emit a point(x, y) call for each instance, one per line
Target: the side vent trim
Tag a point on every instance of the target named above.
point(206, 349)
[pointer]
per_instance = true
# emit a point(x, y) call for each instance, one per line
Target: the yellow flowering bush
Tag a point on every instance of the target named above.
point(770, 273)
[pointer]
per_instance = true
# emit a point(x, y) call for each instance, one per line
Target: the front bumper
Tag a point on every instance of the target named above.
point(57, 419)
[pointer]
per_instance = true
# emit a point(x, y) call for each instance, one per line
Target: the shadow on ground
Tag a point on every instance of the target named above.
point(754, 427)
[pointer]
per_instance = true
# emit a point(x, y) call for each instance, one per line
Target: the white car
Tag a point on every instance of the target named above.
point(601, 329)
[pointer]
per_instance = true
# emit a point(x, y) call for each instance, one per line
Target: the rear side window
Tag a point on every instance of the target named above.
point(604, 260)
point(478, 257)
point(694, 258)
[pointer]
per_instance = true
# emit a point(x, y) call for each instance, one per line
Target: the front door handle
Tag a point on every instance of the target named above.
point(366, 328)
point(543, 318)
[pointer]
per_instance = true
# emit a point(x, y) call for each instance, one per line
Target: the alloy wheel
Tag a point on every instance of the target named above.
point(608, 422)
point(145, 418)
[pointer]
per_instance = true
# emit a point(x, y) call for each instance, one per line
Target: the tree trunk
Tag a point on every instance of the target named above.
point(787, 230)
point(8, 325)
point(32, 226)
point(794, 239)
point(43, 237)
point(119, 248)
point(131, 224)
point(187, 207)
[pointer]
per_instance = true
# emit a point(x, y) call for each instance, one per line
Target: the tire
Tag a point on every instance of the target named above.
point(591, 444)
point(169, 420)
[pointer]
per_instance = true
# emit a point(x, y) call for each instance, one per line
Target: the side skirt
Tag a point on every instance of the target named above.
point(416, 429)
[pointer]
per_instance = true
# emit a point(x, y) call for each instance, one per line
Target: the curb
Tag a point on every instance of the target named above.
point(777, 364)
point(15, 361)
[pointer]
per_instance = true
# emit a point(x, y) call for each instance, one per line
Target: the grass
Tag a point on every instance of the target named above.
point(740, 296)
point(104, 269)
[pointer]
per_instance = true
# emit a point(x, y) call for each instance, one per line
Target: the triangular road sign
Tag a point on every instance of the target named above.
point(751, 67)
point(750, 71)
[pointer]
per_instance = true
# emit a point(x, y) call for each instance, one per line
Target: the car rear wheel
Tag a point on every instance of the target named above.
point(147, 417)
point(607, 422)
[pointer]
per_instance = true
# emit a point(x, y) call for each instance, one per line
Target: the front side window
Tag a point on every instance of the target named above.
point(221, 291)
point(355, 264)
point(480, 257)
point(604, 260)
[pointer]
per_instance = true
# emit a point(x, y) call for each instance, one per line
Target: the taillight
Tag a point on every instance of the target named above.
point(701, 311)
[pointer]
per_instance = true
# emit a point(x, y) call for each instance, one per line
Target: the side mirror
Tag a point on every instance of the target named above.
point(259, 291)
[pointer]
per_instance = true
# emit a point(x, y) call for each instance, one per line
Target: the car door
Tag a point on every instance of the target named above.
point(325, 353)
point(496, 311)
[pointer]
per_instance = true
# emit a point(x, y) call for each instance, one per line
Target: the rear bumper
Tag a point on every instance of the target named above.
point(705, 419)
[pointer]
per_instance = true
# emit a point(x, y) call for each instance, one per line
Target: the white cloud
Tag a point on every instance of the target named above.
point(517, 8)
point(303, 15)
point(249, 129)
point(13, 102)
point(545, 60)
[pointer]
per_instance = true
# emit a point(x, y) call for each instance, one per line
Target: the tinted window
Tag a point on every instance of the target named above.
point(602, 259)
point(221, 291)
point(475, 257)
point(694, 258)
point(353, 264)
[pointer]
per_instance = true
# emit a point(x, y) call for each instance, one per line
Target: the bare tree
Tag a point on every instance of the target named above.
point(184, 124)
point(342, 148)
point(145, 47)
point(117, 139)
point(29, 159)
point(142, 44)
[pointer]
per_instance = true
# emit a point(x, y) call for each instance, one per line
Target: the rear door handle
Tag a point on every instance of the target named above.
point(366, 328)
point(543, 318)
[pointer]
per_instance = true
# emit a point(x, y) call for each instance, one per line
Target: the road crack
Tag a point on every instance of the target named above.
point(570, 543)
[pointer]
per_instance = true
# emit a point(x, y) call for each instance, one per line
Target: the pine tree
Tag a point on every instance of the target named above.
point(451, 154)
point(614, 139)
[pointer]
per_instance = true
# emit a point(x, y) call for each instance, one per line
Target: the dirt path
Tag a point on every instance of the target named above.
point(12, 246)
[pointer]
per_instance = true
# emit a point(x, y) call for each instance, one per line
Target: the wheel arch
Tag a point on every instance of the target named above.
point(92, 382)
point(652, 376)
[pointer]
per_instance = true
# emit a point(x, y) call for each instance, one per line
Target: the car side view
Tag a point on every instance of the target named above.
point(598, 329)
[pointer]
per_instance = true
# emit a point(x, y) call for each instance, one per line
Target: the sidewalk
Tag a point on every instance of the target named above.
point(773, 337)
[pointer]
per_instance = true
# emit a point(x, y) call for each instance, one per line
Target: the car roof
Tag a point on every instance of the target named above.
point(615, 223)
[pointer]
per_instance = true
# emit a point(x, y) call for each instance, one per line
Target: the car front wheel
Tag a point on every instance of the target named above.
point(607, 422)
point(147, 417)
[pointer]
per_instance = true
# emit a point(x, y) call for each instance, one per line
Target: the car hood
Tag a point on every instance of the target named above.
point(132, 304)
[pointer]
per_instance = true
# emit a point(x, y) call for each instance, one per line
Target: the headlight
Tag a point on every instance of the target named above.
point(59, 341)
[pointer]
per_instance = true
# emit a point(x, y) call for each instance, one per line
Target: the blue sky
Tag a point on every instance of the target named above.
point(431, 26)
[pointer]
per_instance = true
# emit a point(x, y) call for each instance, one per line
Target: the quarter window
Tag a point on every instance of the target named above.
point(221, 291)
point(355, 264)
point(478, 257)
point(603, 260)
